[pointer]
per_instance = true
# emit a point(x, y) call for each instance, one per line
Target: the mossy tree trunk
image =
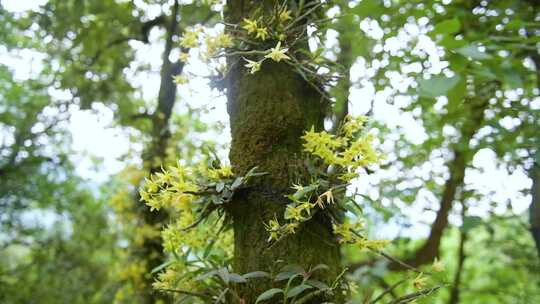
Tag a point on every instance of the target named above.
point(269, 112)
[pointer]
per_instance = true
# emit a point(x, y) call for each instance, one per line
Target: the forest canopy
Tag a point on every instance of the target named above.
point(270, 151)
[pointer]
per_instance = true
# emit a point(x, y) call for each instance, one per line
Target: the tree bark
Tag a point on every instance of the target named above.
point(534, 208)
point(463, 236)
point(269, 112)
point(345, 59)
point(462, 157)
point(151, 251)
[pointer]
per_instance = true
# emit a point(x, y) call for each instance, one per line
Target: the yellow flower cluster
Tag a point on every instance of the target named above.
point(349, 234)
point(174, 277)
point(252, 27)
point(299, 210)
point(213, 44)
point(420, 281)
point(346, 231)
point(277, 230)
point(133, 272)
point(221, 173)
point(170, 188)
point(176, 189)
point(144, 232)
point(348, 150)
point(190, 38)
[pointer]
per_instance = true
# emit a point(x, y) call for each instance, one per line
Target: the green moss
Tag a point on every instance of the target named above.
point(269, 112)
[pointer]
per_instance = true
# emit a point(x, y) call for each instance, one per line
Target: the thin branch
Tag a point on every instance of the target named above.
point(388, 290)
point(413, 296)
point(189, 293)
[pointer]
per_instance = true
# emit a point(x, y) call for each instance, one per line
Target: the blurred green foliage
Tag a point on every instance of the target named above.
point(64, 239)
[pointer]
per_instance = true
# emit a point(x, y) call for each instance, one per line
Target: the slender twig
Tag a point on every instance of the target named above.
point(186, 292)
point(413, 296)
point(392, 259)
point(388, 290)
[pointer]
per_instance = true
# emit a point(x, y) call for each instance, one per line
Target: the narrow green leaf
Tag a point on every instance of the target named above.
point(298, 290)
point(236, 278)
point(256, 274)
point(436, 86)
point(317, 284)
point(449, 26)
point(268, 294)
point(472, 52)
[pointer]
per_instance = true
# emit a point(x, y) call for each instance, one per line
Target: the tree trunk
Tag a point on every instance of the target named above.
point(455, 291)
point(345, 59)
point(151, 251)
point(534, 209)
point(269, 112)
point(462, 157)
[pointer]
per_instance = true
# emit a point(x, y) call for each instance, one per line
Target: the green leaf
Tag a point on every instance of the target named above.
point(449, 26)
point(472, 52)
point(208, 249)
point(436, 86)
point(237, 183)
point(268, 294)
point(470, 222)
point(512, 78)
point(256, 274)
point(285, 275)
point(236, 278)
point(206, 275)
point(298, 290)
point(317, 284)
point(319, 267)
point(223, 273)
point(158, 268)
point(305, 190)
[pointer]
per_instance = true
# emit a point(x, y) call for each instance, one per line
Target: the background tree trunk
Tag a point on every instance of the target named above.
point(151, 250)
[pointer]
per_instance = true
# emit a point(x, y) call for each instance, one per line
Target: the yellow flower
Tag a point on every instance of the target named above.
point(226, 171)
point(262, 33)
point(438, 266)
point(224, 40)
point(344, 231)
point(277, 53)
point(180, 79)
point(183, 57)
point(250, 26)
point(223, 172)
point(284, 16)
point(293, 213)
point(328, 196)
point(273, 227)
point(352, 125)
point(420, 281)
point(373, 244)
point(254, 66)
point(190, 39)
point(291, 228)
